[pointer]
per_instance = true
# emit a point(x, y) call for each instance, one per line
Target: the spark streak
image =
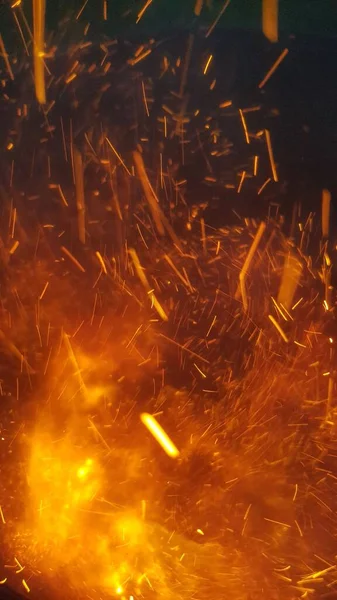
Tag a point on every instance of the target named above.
point(39, 70)
point(160, 435)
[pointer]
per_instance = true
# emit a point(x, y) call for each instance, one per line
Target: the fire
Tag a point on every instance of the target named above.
point(168, 393)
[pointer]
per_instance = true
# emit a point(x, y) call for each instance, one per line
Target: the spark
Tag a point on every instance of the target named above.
point(145, 99)
point(244, 125)
point(79, 185)
point(186, 64)
point(72, 258)
point(278, 523)
point(278, 327)
point(291, 276)
point(14, 247)
point(209, 60)
point(326, 202)
point(2, 516)
point(101, 261)
point(270, 19)
point(149, 192)
point(256, 164)
point(243, 175)
point(226, 104)
point(160, 435)
point(60, 191)
point(177, 272)
point(295, 493)
point(263, 186)
point(143, 10)
point(142, 277)
point(81, 9)
point(245, 269)
point(216, 21)
point(6, 59)
point(39, 71)
point(273, 68)
point(200, 371)
point(271, 155)
point(184, 348)
point(198, 7)
point(137, 59)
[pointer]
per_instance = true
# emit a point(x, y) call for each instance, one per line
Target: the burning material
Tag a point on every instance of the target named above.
point(218, 339)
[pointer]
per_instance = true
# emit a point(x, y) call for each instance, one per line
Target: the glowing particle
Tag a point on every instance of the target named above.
point(14, 247)
point(2, 516)
point(44, 290)
point(256, 163)
point(225, 104)
point(198, 7)
point(273, 68)
point(142, 11)
point(101, 262)
point(209, 60)
point(260, 190)
point(245, 269)
point(79, 185)
point(326, 200)
point(72, 258)
point(142, 277)
point(5, 57)
point(271, 155)
point(270, 19)
point(134, 61)
point(38, 22)
point(243, 175)
point(118, 156)
point(244, 125)
point(217, 19)
point(292, 272)
point(160, 435)
point(200, 371)
point(25, 585)
point(279, 328)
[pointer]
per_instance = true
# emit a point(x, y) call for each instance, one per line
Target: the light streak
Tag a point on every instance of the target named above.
point(278, 327)
point(246, 266)
point(141, 274)
point(209, 60)
point(149, 192)
point(6, 59)
point(244, 125)
point(216, 21)
point(39, 69)
point(79, 186)
point(273, 68)
point(326, 201)
point(271, 155)
point(270, 19)
point(72, 258)
point(143, 10)
point(160, 435)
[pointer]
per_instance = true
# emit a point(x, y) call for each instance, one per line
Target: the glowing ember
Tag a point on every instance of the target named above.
point(133, 332)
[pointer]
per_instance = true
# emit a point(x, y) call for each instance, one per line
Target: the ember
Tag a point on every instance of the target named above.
point(168, 415)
